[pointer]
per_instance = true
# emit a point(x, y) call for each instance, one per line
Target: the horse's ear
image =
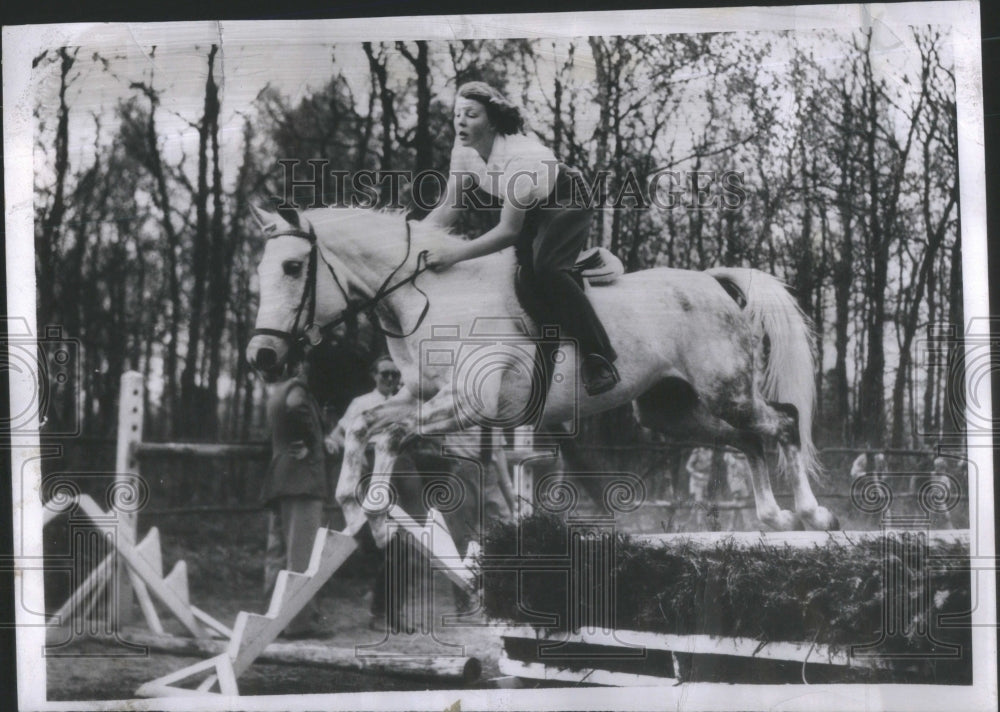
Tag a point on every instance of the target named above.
point(262, 219)
point(291, 215)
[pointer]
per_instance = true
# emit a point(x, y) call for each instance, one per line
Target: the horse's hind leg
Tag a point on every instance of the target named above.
point(815, 515)
point(688, 416)
point(812, 513)
point(768, 511)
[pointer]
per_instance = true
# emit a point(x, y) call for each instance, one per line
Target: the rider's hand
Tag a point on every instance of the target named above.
point(332, 444)
point(442, 257)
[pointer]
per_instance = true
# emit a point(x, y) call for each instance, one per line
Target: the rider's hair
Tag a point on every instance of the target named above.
point(505, 117)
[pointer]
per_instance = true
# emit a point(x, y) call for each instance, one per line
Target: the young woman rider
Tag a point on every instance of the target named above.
point(542, 213)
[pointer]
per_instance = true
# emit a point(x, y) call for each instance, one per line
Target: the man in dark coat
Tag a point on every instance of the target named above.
point(295, 488)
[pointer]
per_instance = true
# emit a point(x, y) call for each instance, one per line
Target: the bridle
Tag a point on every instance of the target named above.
point(313, 334)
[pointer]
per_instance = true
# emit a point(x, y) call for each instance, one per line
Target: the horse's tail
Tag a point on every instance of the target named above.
point(788, 372)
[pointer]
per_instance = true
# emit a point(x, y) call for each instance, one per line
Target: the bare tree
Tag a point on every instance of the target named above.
point(421, 136)
point(190, 418)
point(51, 214)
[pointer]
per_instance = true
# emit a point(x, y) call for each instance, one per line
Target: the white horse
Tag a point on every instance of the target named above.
point(694, 362)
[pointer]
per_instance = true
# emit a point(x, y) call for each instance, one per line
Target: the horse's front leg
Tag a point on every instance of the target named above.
point(352, 469)
point(381, 494)
point(437, 416)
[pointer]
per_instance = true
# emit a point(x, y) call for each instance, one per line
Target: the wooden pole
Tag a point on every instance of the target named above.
point(130, 415)
point(456, 669)
point(203, 449)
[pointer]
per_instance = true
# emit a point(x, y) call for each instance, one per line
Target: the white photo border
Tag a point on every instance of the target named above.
point(21, 44)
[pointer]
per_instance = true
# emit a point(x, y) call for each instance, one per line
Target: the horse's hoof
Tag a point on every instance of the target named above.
point(784, 521)
point(820, 519)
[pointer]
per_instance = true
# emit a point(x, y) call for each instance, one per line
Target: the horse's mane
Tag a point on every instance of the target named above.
point(382, 221)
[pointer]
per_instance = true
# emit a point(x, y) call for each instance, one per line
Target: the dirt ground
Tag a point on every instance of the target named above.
point(88, 669)
point(224, 557)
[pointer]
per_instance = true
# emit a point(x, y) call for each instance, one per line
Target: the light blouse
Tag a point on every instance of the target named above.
point(518, 166)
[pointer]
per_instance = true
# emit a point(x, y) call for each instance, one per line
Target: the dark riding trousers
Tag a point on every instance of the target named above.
point(555, 231)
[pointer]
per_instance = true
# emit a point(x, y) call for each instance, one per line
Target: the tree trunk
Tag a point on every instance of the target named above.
point(189, 416)
point(557, 121)
point(909, 321)
point(422, 135)
point(843, 276)
point(819, 318)
point(953, 418)
point(386, 98)
point(804, 273)
point(367, 128)
point(930, 419)
point(151, 160)
point(223, 251)
point(871, 398)
point(603, 129)
point(47, 247)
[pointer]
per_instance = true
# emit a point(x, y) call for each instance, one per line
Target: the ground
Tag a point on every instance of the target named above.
point(344, 615)
point(224, 555)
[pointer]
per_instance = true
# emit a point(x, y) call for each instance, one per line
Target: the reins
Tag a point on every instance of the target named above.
point(314, 334)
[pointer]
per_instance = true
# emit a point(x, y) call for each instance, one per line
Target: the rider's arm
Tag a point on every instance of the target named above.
point(447, 211)
point(503, 235)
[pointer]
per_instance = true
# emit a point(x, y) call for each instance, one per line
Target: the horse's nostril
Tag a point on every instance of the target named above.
point(266, 359)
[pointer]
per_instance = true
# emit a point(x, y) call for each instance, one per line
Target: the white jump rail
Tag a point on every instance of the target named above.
point(145, 568)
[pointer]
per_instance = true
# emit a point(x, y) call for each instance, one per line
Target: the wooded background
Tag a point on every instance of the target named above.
point(145, 251)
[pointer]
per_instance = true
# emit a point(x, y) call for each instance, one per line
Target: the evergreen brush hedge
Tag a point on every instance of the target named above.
point(831, 594)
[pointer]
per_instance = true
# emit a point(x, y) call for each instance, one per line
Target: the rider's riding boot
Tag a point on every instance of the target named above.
point(561, 297)
point(599, 375)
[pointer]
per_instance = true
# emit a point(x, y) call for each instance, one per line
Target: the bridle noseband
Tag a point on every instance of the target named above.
point(313, 334)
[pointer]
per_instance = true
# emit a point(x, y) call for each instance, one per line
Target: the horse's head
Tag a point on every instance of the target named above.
point(296, 295)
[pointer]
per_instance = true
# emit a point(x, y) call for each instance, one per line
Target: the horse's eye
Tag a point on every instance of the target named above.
point(293, 268)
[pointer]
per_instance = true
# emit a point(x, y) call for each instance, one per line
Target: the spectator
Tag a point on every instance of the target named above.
point(417, 467)
point(738, 475)
point(386, 377)
point(699, 468)
point(295, 489)
point(739, 484)
point(946, 475)
point(387, 383)
point(866, 463)
point(872, 465)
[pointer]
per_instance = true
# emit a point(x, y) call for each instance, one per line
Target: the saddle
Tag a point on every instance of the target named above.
point(596, 267)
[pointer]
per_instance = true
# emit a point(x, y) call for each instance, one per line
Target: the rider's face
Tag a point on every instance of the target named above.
point(472, 125)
